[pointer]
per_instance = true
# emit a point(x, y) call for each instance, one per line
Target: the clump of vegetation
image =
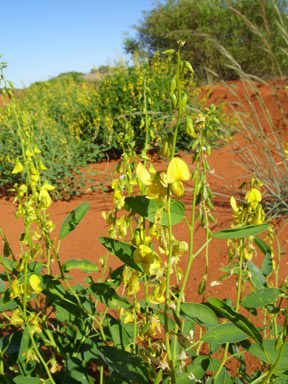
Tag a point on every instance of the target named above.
point(53, 331)
point(76, 123)
point(203, 22)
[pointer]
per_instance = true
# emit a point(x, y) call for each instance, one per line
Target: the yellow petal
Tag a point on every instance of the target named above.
point(177, 188)
point(18, 168)
point(233, 204)
point(34, 282)
point(177, 171)
point(253, 196)
point(143, 175)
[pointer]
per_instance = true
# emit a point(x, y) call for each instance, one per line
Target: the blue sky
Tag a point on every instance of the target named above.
point(42, 38)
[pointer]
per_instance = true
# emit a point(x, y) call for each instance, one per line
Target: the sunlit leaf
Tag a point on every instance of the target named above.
point(73, 219)
point(84, 265)
point(236, 318)
point(199, 313)
point(241, 232)
point(261, 297)
point(224, 333)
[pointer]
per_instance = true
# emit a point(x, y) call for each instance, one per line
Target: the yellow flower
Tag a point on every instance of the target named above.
point(157, 296)
point(233, 204)
point(177, 171)
point(18, 168)
point(156, 183)
point(133, 285)
point(149, 259)
point(253, 197)
point(17, 289)
point(16, 318)
point(34, 282)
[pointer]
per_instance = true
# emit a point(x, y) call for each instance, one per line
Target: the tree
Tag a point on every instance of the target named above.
point(249, 30)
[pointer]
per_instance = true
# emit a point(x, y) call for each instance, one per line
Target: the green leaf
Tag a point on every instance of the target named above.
point(108, 296)
point(84, 265)
point(120, 337)
point(199, 313)
point(261, 297)
point(73, 219)
point(241, 232)
point(267, 265)
point(236, 318)
point(199, 367)
point(224, 333)
point(269, 347)
point(8, 305)
point(3, 287)
point(26, 380)
point(257, 276)
point(24, 367)
point(75, 370)
point(147, 209)
point(7, 263)
point(123, 251)
point(125, 364)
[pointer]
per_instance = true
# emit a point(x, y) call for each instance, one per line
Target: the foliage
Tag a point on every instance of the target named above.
point(53, 331)
point(76, 123)
point(264, 153)
point(205, 24)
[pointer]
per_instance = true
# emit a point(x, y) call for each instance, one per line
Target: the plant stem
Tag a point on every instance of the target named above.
point(281, 352)
point(239, 279)
point(167, 298)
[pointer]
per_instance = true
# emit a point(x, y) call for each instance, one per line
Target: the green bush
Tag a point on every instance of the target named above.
point(204, 24)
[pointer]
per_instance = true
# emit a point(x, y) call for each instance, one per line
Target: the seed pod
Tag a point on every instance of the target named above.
point(208, 149)
point(189, 129)
point(184, 101)
point(202, 285)
point(168, 52)
point(188, 66)
point(199, 214)
point(211, 218)
point(209, 203)
point(173, 85)
point(174, 100)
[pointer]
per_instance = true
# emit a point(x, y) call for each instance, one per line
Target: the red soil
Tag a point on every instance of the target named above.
point(225, 178)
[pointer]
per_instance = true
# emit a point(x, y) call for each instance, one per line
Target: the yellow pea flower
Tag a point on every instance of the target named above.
point(177, 188)
point(156, 183)
point(133, 285)
point(149, 259)
point(157, 296)
point(177, 171)
point(253, 197)
point(18, 168)
point(34, 282)
point(233, 204)
point(17, 289)
point(16, 318)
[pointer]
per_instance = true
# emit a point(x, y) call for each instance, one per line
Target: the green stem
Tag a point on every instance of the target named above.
point(239, 280)
point(223, 361)
point(167, 298)
point(41, 357)
point(281, 352)
point(278, 261)
point(179, 83)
